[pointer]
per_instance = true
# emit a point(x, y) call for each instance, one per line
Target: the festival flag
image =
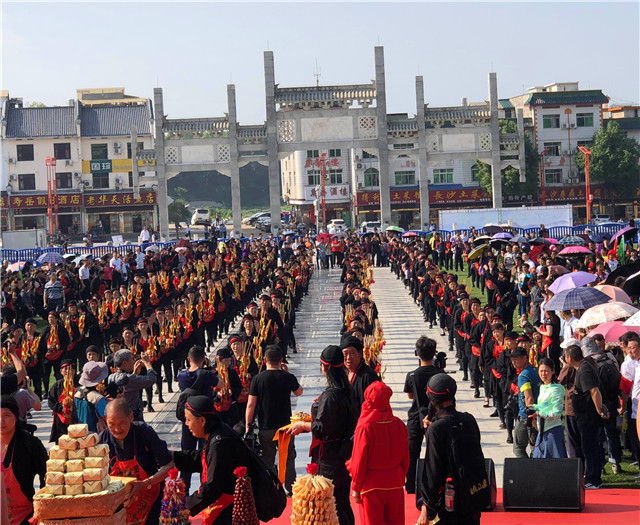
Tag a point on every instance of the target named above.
point(620, 251)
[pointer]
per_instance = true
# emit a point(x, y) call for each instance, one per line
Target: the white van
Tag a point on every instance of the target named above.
point(201, 216)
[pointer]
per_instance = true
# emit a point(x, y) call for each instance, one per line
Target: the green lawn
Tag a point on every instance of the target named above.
point(626, 480)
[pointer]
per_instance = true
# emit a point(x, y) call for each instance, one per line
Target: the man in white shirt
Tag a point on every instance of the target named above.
point(116, 265)
point(85, 279)
point(139, 259)
point(145, 236)
point(570, 323)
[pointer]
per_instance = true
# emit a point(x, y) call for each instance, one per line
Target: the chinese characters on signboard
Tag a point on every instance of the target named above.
point(457, 196)
point(78, 199)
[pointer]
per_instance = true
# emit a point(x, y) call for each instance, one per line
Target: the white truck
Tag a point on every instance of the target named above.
point(23, 239)
point(522, 217)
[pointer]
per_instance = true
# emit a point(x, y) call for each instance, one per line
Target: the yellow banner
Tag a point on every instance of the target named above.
point(120, 165)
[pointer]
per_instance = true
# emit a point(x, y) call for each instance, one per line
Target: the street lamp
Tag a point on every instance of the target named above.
point(587, 180)
point(9, 189)
point(543, 196)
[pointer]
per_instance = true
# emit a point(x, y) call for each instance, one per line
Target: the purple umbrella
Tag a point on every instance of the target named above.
point(572, 280)
point(627, 231)
point(502, 235)
point(574, 250)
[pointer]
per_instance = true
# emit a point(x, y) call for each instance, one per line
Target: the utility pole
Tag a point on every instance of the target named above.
point(587, 181)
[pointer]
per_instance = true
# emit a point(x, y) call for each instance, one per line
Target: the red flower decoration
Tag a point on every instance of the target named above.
point(173, 474)
point(241, 472)
point(312, 468)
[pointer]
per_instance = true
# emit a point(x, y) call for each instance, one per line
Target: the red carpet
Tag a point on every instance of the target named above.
point(603, 507)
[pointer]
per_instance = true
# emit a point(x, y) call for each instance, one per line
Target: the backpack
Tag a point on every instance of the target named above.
point(609, 376)
point(467, 468)
point(268, 493)
point(194, 390)
point(93, 419)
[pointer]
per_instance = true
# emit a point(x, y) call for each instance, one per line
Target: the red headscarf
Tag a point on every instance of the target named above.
point(376, 406)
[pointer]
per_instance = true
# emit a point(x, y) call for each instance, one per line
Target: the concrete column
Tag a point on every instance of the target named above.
point(383, 147)
point(272, 141)
point(163, 205)
point(522, 158)
point(423, 174)
point(236, 205)
point(496, 178)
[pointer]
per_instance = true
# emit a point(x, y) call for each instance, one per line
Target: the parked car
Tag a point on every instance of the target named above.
point(601, 219)
point(369, 226)
point(201, 216)
point(334, 223)
point(253, 220)
point(264, 224)
point(248, 220)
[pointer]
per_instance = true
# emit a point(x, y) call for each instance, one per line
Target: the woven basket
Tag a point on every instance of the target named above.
point(119, 518)
point(85, 507)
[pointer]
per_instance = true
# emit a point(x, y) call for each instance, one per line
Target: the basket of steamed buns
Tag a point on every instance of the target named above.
point(78, 484)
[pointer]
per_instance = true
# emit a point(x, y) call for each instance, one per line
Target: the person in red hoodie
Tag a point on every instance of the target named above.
point(380, 459)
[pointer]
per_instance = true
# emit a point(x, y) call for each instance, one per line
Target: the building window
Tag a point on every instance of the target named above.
point(508, 113)
point(99, 151)
point(585, 143)
point(131, 179)
point(403, 146)
point(584, 120)
point(553, 176)
point(443, 176)
point(312, 154)
point(25, 152)
point(314, 177)
point(474, 173)
point(140, 147)
point(335, 153)
point(553, 149)
point(335, 176)
point(405, 178)
point(27, 181)
point(550, 121)
point(63, 181)
point(62, 150)
point(366, 155)
point(371, 177)
point(100, 181)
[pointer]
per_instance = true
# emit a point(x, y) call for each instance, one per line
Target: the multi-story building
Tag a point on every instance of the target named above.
point(93, 179)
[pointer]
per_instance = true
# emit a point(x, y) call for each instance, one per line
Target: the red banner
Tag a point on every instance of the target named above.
point(569, 193)
point(118, 199)
point(78, 199)
point(460, 195)
point(41, 201)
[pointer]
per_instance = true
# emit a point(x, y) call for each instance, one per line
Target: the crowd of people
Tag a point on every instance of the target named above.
point(555, 388)
point(120, 328)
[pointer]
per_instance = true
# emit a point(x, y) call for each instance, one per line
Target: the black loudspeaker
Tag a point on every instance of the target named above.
point(543, 484)
point(491, 476)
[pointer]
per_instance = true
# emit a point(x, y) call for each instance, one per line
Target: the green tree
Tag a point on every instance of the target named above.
point(511, 184)
point(178, 211)
point(614, 160)
point(35, 104)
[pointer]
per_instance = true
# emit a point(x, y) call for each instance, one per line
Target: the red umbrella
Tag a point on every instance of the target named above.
point(324, 237)
point(612, 330)
point(557, 270)
point(183, 243)
point(410, 234)
point(536, 251)
point(574, 250)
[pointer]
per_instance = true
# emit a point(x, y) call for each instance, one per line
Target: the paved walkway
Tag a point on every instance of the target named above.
point(318, 324)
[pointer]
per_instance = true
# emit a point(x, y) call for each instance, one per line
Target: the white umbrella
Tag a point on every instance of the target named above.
point(82, 257)
point(603, 313)
point(634, 320)
point(153, 248)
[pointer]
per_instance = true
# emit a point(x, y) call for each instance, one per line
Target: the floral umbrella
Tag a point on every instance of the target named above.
point(604, 313)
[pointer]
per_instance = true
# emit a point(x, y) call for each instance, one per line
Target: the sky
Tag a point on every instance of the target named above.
point(193, 50)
